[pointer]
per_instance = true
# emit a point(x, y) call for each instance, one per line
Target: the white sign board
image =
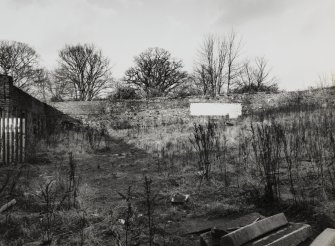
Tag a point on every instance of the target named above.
point(234, 110)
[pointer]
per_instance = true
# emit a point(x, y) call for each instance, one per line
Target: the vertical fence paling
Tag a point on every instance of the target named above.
point(1, 137)
point(7, 137)
point(3, 133)
point(12, 136)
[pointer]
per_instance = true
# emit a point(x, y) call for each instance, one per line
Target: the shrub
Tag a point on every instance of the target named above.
point(125, 92)
point(254, 89)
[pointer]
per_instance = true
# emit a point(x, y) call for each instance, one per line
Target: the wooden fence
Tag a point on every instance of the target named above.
point(13, 125)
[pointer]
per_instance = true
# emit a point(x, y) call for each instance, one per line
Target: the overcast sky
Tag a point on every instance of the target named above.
point(296, 36)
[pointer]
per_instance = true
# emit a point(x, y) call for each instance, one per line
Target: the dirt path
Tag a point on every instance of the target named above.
point(113, 171)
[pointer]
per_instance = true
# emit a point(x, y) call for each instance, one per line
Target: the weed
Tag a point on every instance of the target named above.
point(129, 216)
point(205, 142)
point(150, 208)
point(48, 196)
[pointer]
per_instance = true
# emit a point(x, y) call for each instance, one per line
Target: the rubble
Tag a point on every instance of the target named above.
point(212, 237)
point(179, 198)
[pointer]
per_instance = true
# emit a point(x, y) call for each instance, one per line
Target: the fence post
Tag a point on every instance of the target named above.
point(7, 138)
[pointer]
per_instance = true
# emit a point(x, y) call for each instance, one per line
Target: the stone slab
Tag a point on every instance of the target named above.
point(254, 230)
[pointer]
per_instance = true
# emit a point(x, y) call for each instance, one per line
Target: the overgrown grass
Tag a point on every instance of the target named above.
point(283, 156)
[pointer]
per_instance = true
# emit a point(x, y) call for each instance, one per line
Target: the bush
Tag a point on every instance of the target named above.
point(56, 99)
point(186, 90)
point(254, 89)
point(206, 142)
point(124, 92)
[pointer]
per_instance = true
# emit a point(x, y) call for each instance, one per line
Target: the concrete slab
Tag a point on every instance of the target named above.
point(290, 235)
point(200, 225)
point(254, 230)
point(326, 238)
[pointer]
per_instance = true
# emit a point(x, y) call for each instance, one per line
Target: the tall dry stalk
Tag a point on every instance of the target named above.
point(267, 147)
point(205, 141)
point(150, 207)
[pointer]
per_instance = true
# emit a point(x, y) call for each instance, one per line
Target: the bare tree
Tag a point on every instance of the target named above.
point(209, 71)
point(246, 79)
point(84, 69)
point(156, 72)
point(49, 88)
point(41, 85)
point(233, 51)
point(256, 77)
point(262, 74)
point(19, 61)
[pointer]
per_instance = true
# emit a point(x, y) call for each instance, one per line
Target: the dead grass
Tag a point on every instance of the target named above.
point(236, 185)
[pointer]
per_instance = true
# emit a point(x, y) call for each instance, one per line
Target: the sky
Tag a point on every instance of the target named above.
point(297, 37)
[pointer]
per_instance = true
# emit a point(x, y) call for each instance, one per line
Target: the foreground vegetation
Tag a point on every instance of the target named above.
point(85, 188)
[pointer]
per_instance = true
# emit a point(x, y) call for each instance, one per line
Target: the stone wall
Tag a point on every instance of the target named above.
point(139, 113)
point(128, 113)
point(164, 111)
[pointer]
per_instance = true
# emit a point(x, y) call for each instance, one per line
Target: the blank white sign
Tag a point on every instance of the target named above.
point(234, 110)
